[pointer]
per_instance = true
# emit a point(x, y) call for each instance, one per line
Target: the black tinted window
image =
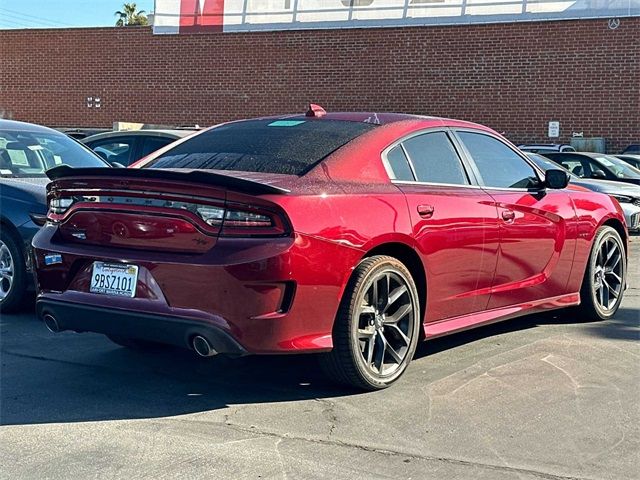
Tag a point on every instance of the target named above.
point(499, 166)
point(151, 144)
point(435, 160)
point(580, 166)
point(274, 146)
point(399, 164)
point(115, 149)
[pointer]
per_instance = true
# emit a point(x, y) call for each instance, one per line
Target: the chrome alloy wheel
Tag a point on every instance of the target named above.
point(608, 274)
point(385, 323)
point(6, 270)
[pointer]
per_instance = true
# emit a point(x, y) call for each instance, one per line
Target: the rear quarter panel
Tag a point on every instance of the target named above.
point(355, 216)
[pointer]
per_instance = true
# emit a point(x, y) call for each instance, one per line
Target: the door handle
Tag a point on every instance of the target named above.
point(508, 215)
point(425, 211)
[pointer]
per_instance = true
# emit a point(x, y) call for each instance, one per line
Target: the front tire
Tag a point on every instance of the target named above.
point(13, 273)
point(605, 276)
point(377, 327)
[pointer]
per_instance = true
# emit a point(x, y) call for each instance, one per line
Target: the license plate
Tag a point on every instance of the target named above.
point(114, 279)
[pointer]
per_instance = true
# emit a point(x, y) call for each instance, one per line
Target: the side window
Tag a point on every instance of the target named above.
point(118, 150)
point(151, 144)
point(576, 167)
point(595, 166)
point(397, 161)
point(435, 160)
point(499, 166)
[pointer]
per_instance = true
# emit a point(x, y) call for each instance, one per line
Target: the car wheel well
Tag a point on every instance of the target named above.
point(11, 229)
point(411, 260)
point(618, 227)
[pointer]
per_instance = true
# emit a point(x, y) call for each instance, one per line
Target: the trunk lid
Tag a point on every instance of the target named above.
point(163, 210)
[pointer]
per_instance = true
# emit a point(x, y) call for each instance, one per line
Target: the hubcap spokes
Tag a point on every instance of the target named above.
point(608, 273)
point(6, 270)
point(385, 325)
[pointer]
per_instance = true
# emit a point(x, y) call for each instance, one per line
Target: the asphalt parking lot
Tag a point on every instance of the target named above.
point(541, 397)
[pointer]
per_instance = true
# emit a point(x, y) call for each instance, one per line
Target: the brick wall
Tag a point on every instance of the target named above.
point(512, 77)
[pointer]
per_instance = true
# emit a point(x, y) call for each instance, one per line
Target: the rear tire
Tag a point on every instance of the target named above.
point(605, 276)
point(13, 273)
point(377, 326)
point(134, 343)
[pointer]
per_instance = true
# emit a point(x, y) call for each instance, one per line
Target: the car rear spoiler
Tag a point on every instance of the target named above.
point(239, 184)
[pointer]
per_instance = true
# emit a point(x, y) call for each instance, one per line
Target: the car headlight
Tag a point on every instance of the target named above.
point(623, 198)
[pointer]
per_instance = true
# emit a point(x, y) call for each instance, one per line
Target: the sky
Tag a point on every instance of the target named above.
point(63, 13)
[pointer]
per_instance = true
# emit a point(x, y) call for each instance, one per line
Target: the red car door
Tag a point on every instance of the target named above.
point(537, 226)
point(454, 223)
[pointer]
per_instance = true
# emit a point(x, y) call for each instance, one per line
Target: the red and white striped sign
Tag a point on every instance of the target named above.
point(201, 16)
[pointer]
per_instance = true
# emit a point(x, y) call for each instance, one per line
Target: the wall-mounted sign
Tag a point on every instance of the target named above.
point(202, 16)
point(94, 102)
point(554, 129)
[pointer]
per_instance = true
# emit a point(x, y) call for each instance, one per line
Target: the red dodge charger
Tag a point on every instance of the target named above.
point(352, 234)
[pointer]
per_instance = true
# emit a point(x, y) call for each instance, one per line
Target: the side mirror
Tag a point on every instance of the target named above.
point(117, 165)
point(598, 174)
point(556, 179)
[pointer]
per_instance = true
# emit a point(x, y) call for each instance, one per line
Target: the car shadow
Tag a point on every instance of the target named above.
point(61, 378)
point(624, 326)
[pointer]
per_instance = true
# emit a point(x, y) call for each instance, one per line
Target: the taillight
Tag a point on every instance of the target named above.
point(60, 205)
point(252, 222)
point(234, 220)
point(211, 215)
point(242, 223)
point(57, 208)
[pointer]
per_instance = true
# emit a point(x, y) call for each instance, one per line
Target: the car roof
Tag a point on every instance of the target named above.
point(25, 127)
point(376, 118)
point(550, 145)
point(586, 154)
point(168, 133)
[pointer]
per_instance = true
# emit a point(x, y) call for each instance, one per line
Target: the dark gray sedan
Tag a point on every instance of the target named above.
point(628, 195)
point(596, 165)
point(26, 152)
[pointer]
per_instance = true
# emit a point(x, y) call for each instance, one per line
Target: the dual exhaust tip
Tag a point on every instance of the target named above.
point(51, 323)
point(202, 346)
point(199, 343)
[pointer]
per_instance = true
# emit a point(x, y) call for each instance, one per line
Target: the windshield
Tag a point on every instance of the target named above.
point(619, 168)
point(31, 154)
point(289, 146)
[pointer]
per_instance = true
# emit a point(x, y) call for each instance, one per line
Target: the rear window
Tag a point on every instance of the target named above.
point(290, 146)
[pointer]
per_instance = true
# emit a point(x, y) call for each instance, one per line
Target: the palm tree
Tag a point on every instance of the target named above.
point(131, 16)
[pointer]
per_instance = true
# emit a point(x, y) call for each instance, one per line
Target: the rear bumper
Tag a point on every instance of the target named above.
point(152, 327)
point(268, 295)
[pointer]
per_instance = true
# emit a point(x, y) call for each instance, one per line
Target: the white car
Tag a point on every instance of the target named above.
point(546, 148)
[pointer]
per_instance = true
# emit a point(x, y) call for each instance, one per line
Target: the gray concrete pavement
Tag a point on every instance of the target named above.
point(541, 397)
